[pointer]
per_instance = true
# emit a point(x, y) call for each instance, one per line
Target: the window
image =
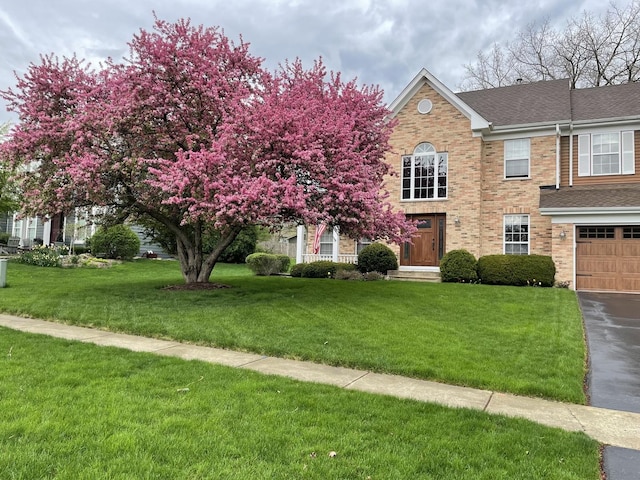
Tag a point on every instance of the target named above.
point(516, 158)
point(326, 242)
point(424, 174)
point(596, 232)
point(610, 153)
point(516, 234)
point(363, 242)
point(631, 232)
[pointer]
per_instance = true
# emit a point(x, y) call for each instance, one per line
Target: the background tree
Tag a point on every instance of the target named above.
point(193, 134)
point(8, 191)
point(590, 51)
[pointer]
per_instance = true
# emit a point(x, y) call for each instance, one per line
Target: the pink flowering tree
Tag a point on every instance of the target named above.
point(192, 133)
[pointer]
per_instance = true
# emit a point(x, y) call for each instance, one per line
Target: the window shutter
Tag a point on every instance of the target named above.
point(584, 155)
point(628, 157)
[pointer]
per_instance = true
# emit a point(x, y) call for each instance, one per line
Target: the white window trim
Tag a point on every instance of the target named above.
point(424, 149)
point(528, 158)
point(626, 153)
point(504, 233)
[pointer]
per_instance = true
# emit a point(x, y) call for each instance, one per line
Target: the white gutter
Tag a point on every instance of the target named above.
point(571, 154)
point(557, 156)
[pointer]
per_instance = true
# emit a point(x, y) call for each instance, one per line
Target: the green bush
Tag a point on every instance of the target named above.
point(324, 269)
point(41, 256)
point(458, 266)
point(285, 262)
point(377, 258)
point(296, 270)
point(243, 245)
point(117, 241)
point(80, 249)
point(267, 263)
point(519, 270)
point(4, 237)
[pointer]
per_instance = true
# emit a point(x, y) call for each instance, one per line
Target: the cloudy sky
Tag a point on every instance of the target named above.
point(383, 42)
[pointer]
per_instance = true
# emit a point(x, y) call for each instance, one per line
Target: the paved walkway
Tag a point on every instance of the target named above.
point(610, 427)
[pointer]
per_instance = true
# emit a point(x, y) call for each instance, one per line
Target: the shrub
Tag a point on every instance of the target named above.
point(117, 241)
point(243, 245)
point(519, 270)
point(43, 256)
point(80, 249)
point(458, 266)
point(348, 275)
point(296, 270)
point(267, 264)
point(4, 237)
point(372, 276)
point(285, 262)
point(377, 258)
point(324, 269)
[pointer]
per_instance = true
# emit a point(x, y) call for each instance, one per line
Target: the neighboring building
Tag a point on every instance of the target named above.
point(527, 169)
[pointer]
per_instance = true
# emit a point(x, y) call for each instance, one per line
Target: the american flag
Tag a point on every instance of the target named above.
point(316, 239)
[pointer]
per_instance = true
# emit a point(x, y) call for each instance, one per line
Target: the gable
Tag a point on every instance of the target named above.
point(423, 78)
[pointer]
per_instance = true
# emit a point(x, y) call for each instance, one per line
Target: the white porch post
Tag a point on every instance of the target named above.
point(46, 230)
point(300, 242)
point(336, 243)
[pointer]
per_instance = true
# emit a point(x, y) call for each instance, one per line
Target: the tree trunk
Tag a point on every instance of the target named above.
point(196, 268)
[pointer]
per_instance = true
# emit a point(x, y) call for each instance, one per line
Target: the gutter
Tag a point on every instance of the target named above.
point(571, 154)
point(557, 156)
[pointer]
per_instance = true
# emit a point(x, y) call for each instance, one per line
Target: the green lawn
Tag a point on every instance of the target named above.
point(523, 340)
point(76, 411)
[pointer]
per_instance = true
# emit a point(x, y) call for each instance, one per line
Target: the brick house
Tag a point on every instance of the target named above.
point(527, 169)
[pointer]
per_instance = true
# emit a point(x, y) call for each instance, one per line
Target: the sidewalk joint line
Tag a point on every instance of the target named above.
point(486, 405)
point(356, 379)
point(253, 361)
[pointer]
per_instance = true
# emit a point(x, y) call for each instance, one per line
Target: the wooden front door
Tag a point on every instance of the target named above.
point(428, 244)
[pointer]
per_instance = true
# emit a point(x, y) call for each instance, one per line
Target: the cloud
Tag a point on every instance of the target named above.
point(383, 42)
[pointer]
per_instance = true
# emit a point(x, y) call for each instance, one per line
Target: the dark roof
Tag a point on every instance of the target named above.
point(591, 196)
point(522, 104)
point(553, 101)
point(606, 102)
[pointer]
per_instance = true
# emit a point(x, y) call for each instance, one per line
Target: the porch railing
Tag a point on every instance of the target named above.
point(308, 258)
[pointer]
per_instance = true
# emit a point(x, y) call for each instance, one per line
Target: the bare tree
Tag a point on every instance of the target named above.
point(590, 51)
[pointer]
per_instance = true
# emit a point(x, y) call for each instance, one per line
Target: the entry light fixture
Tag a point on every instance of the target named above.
point(563, 235)
point(456, 221)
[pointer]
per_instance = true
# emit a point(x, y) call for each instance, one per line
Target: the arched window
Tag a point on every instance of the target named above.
point(424, 174)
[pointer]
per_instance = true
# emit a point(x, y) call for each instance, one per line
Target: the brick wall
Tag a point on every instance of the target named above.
point(447, 130)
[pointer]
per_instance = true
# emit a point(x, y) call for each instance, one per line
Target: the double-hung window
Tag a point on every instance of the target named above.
point(424, 174)
point(607, 153)
point(326, 242)
point(516, 234)
point(517, 158)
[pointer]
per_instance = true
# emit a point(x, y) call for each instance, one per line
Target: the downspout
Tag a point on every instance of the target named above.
point(557, 156)
point(571, 154)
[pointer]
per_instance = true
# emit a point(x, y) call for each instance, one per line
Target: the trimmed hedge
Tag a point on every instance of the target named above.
point(518, 270)
point(296, 270)
point(267, 263)
point(377, 258)
point(458, 266)
point(323, 269)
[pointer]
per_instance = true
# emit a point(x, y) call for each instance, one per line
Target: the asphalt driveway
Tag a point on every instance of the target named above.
point(612, 324)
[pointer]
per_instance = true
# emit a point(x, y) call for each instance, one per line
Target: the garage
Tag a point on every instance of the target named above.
point(608, 258)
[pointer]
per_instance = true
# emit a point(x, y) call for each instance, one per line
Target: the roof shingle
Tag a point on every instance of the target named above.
point(591, 196)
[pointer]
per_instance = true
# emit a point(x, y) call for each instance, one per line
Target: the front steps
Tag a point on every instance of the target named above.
point(414, 275)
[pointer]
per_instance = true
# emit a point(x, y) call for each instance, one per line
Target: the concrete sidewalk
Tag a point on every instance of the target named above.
point(610, 427)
